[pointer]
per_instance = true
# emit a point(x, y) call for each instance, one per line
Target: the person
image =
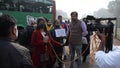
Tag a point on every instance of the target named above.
point(58, 50)
point(49, 25)
point(77, 30)
point(110, 59)
point(86, 43)
point(25, 36)
point(12, 55)
point(85, 48)
point(64, 26)
point(109, 41)
point(42, 54)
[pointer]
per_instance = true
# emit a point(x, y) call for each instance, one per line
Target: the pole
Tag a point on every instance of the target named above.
point(116, 27)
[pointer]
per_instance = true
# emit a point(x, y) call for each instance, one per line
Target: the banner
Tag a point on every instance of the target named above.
point(60, 32)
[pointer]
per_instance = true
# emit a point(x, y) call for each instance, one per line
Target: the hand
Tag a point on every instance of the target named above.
point(45, 41)
point(102, 36)
point(62, 45)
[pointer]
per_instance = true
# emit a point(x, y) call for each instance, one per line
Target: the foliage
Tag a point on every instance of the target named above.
point(114, 7)
point(102, 13)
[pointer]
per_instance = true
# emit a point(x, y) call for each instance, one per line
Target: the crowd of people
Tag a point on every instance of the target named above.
point(40, 45)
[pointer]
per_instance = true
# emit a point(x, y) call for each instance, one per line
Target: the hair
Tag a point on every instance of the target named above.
point(74, 13)
point(6, 22)
point(59, 16)
point(46, 19)
point(55, 21)
point(39, 19)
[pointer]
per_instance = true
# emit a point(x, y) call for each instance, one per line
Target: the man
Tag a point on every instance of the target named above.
point(110, 59)
point(25, 35)
point(12, 55)
point(64, 26)
point(58, 50)
point(77, 30)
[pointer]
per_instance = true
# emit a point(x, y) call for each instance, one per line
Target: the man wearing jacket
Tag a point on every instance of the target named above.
point(12, 55)
point(77, 30)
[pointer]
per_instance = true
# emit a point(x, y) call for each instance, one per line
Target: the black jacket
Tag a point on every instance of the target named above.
point(12, 55)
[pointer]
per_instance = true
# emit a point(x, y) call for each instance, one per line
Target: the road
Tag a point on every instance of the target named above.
point(87, 64)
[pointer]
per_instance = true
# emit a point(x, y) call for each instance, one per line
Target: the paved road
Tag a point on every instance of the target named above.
point(86, 64)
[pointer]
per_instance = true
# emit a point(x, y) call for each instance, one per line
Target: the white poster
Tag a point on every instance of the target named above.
point(60, 32)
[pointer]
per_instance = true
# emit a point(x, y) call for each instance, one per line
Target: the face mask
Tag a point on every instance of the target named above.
point(49, 25)
point(16, 31)
point(41, 26)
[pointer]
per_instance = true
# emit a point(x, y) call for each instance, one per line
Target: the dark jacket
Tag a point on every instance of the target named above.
point(75, 32)
point(12, 55)
point(60, 40)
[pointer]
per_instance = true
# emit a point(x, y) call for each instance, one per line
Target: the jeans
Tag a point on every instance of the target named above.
point(77, 49)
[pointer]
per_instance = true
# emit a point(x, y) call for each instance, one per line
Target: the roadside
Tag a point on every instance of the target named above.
point(116, 41)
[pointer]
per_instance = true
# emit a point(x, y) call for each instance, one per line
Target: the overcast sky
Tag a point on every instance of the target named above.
point(83, 7)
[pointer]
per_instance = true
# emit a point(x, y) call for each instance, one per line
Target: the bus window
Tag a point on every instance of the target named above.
point(27, 5)
point(20, 9)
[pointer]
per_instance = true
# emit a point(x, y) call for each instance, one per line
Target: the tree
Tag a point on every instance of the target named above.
point(114, 7)
point(102, 13)
point(60, 12)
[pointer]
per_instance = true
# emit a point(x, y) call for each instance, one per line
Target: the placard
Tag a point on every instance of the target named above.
point(60, 32)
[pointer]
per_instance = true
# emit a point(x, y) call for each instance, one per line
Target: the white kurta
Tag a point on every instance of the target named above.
point(108, 60)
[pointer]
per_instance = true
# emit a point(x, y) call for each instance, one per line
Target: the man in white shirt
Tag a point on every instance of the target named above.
point(110, 59)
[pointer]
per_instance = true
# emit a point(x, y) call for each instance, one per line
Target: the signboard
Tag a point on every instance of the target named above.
point(60, 32)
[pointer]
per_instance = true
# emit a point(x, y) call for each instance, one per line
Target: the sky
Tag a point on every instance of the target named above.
point(83, 7)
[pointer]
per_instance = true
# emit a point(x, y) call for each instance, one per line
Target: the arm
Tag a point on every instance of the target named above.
point(27, 62)
point(105, 60)
point(102, 37)
point(101, 46)
point(52, 41)
point(84, 28)
point(55, 42)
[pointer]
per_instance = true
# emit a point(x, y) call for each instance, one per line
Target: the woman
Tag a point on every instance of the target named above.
point(41, 42)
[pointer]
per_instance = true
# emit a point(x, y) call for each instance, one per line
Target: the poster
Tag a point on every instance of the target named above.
point(60, 32)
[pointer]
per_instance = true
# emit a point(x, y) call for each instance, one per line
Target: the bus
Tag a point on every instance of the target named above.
point(22, 10)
